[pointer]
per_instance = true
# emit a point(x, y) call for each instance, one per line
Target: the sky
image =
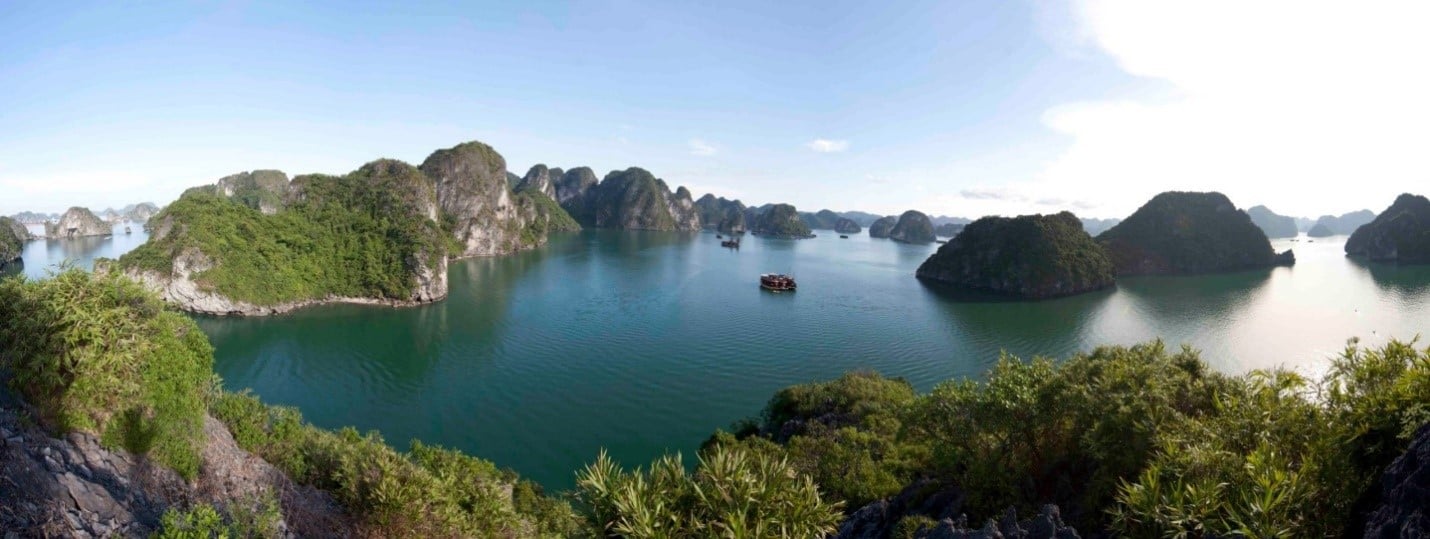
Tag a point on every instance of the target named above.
point(952, 108)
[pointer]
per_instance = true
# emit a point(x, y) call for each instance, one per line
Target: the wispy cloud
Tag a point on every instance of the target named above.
point(877, 180)
point(700, 147)
point(827, 146)
point(1255, 117)
point(1021, 196)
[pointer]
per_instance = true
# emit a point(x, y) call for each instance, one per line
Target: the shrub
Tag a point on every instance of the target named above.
point(733, 493)
point(98, 353)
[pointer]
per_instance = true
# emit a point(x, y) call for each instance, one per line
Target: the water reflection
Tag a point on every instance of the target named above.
point(1054, 328)
point(1408, 283)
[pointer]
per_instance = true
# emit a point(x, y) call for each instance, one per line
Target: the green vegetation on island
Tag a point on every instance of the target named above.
point(364, 235)
point(723, 215)
point(913, 227)
point(13, 236)
point(1185, 233)
point(1031, 256)
point(1401, 233)
point(781, 221)
point(631, 199)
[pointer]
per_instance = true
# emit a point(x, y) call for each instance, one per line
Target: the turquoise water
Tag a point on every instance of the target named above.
point(645, 342)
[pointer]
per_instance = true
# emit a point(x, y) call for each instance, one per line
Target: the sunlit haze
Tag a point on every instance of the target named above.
point(952, 108)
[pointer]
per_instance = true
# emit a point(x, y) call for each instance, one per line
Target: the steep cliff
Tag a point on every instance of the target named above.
point(478, 209)
point(12, 240)
point(78, 222)
point(541, 180)
point(1031, 256)
point(1183, 232)
point(882, 226)
point(1401, 233)
point(725, 216)
point(913, 227)
point(631, 199)
point(845, 225)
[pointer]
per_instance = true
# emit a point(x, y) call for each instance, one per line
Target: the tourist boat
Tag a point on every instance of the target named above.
point(126, 230)
point(717, 236)
point(845, 236)
point(731, 243)
point(777, 282)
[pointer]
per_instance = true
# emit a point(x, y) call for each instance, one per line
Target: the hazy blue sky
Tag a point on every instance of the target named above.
point(962, 108)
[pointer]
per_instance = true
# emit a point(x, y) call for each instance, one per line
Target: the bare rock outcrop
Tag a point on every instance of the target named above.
point(78, 222)
point(75, 487)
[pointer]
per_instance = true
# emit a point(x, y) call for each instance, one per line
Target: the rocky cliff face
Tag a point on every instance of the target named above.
point(540, 180)
point(1031, 256)
point(845, 225)
point(725, 216)
point(13, 236)
point(1275, 226)
point(1400, 234)
point(78, 222)
point(882, 226)
point(944, 507)
point(1404, 508)
point(574, 185)
point(140, 212)
point(1183, 233)
point(262, 190)
point(630, 199)
point(476, 204)
point(913, 227)
point(781, 221)
point(74, 487)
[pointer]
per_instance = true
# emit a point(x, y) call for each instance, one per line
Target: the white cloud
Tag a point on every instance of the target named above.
point(700, 147)
point(1310, 107)
point(827, 146)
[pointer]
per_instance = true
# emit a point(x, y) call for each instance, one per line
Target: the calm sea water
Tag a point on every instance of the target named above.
point(645, 342)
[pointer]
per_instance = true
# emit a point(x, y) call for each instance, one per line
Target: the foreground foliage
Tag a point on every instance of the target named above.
point(733, 493)
point(1142, 441)
point(100, 354)
point(429, 491)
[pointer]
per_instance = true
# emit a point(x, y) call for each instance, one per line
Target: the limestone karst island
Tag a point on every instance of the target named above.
point(653, 270)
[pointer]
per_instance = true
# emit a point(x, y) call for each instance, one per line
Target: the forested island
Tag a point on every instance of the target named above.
point(1031, 256)
point(1400, 234)
point(1134, 441)
point(1188, 233)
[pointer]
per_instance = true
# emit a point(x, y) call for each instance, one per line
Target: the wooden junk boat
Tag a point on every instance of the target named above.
point(777, 282)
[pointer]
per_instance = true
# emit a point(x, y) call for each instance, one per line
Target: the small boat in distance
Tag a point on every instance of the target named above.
point(717, 236)
point(126, 230)
point(844, 236)
point(733, 243)
point(777, 282)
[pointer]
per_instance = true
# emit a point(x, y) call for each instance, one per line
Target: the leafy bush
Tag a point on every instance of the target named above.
point(429, 491)
point(100, 354)
point(1140, 440)
point(733, 493)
